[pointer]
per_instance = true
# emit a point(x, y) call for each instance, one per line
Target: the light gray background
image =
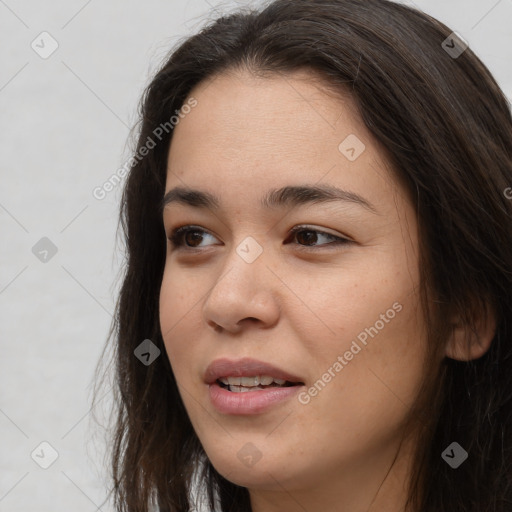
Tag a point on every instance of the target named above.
point(65, 123)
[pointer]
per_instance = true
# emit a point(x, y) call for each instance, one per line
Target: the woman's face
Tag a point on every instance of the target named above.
point(333, 308)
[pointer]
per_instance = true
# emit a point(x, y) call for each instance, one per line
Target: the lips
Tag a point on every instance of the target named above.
point(236, 400)
point(247, 367)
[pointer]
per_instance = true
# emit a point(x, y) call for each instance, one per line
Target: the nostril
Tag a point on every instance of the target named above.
point(216, 327)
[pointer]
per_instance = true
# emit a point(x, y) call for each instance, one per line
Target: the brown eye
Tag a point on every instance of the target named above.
point(190, 237)
point(187, 236)
point(308, 237)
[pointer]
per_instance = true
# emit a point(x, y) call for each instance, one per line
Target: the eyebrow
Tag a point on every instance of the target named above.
point(289, 196)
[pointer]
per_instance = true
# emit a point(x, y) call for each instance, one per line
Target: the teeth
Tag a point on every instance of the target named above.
point(242, 389)
point(250, 382)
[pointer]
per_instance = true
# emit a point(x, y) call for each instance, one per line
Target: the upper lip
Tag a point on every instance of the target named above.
point(245, 367)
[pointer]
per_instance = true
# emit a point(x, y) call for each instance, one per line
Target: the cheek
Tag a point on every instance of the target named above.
point(176, 311)
point(383, 364)
point(380, 334)
point(365, 404)
point(179, 295)
point(358, 302)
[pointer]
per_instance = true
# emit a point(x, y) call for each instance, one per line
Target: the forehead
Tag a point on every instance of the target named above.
point(248, 134)
point(265, 114)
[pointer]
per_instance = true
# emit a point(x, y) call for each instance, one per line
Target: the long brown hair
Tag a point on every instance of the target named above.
point(447, 129)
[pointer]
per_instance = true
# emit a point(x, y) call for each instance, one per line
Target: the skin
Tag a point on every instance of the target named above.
point(297, 309)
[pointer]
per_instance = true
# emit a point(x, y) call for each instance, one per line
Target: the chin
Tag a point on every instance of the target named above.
point(239, 469)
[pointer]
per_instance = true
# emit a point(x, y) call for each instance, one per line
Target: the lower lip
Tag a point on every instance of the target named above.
point(249, 402)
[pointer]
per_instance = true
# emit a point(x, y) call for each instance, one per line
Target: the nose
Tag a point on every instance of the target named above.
point(245, 293)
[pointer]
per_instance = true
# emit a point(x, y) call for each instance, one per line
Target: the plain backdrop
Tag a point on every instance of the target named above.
point(65, 121)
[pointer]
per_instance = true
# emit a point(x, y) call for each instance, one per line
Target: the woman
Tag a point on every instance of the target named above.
point(363, 367)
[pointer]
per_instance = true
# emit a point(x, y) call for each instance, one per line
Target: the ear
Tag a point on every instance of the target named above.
point(469, 342)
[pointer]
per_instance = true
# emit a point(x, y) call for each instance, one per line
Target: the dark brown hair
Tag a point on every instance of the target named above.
point(447, 131)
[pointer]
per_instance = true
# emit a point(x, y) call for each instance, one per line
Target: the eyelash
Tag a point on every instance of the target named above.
point(176, 237)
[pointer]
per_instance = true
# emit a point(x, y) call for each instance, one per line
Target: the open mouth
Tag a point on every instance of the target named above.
point(245, 384)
